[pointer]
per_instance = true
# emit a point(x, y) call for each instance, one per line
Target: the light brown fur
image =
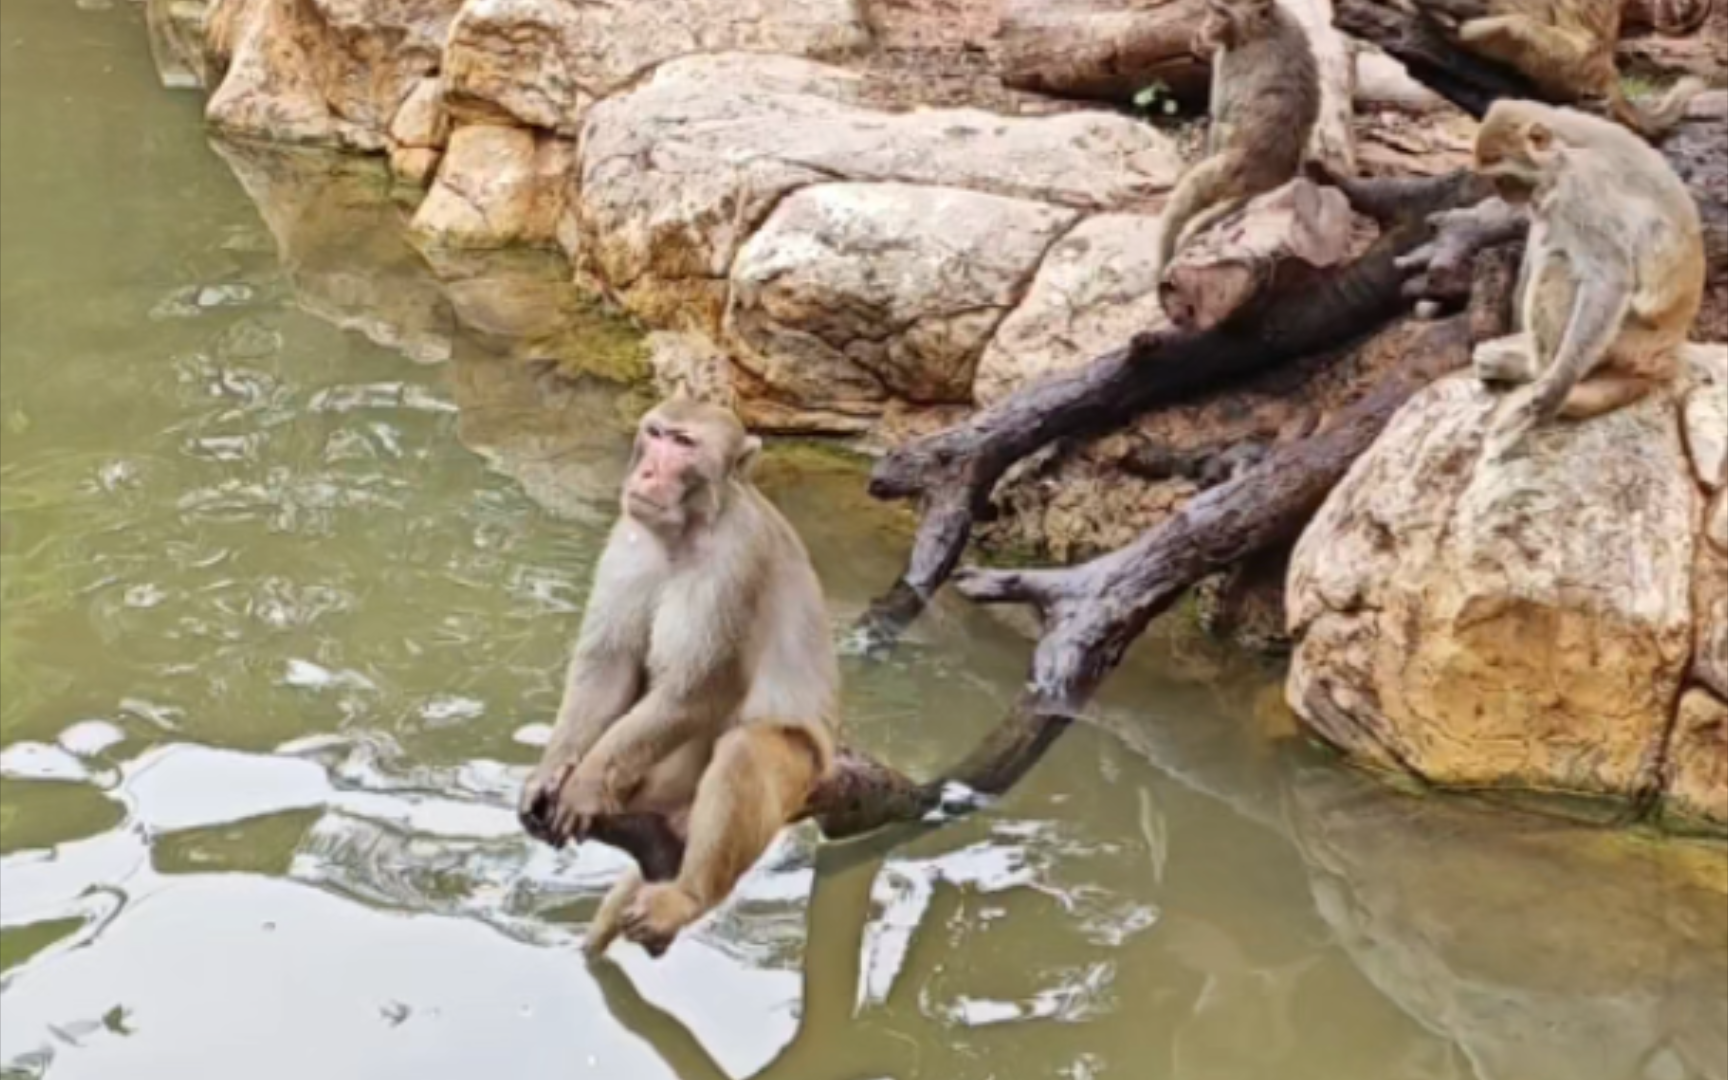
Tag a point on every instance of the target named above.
point(1265, 101)
point(703, 686)
point(1566, 49)
point(1613, 272)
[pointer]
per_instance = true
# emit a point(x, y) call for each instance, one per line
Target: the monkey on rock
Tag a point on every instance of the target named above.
point(1613, 271)
point(704, 685)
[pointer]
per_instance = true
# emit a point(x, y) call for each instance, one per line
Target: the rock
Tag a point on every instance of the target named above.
point(422, 120)
point(1697, 768)
point(854, 293)
point(1710, 610)
point(677, 172)
point(1706, 415)
point(497, 186)
point(1097, 287)
point(544, 62)
point(414, 165)
point(1524, 624)
point(328, 72)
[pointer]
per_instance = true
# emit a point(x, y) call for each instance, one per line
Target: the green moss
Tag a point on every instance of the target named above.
point(605, 343)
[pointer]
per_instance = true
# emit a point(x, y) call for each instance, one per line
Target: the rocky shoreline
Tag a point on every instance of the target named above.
point(841, 218)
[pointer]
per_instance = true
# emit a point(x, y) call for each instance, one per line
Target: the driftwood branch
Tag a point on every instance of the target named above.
point(861, 794)
point(954, 472)
point(1092, 612)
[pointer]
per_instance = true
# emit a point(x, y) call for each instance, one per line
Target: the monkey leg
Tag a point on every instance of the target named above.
point(1550, 57)
point(609, 920)
point(756, 783)
point(1604, 394)
point(1204, 185)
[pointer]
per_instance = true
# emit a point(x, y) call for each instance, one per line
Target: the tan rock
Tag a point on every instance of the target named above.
point(853, 293)
point(422, 120)
point(677, 172)
point(543, 62)
point(1710, 610)
point(497, 186)
point(329, 72)
point(1525, 623)
point(1696, 792)
point(414, 165)
point(1706, 415)
point(177, 30)
point(1097, 287)
point(1384, 83)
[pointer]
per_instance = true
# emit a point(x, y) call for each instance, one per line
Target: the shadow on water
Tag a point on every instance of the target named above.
point(324, 502)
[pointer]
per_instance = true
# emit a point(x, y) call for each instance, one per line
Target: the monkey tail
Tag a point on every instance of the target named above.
point(1655, 121)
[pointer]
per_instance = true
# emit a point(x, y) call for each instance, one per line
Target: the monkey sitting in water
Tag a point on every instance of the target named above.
point(1565, 48)
point(1265, 102)
point(704, 686)
point(1613, 272)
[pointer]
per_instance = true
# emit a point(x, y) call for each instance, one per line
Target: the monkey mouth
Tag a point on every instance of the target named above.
point(643, 502)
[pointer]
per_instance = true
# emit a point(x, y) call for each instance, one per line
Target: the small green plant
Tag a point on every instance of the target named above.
point(1156, 100)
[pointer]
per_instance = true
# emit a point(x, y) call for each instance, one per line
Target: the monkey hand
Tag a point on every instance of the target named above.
point(539, 800)
point(588, 795)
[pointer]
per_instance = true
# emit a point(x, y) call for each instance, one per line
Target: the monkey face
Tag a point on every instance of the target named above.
point(684, 455)
point(1515, 151)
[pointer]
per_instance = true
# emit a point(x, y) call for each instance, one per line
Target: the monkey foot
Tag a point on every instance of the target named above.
point(657, 914)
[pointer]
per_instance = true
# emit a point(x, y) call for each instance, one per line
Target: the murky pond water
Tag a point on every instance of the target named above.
point(295, 533)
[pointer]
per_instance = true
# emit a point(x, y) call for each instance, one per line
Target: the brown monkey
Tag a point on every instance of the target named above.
point(1565, 48)
point(703, 686)
point(1265, 101)
point(1613, 271)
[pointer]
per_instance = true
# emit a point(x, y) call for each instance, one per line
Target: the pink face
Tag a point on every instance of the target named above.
point(668, 467)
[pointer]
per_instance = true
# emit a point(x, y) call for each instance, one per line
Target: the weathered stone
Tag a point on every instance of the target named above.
point(497, 186)
point(1697, 767)
point(543, 62)
point(1096, 288)
point(1525, 623)
point(422, 120)
point(414, 164)
point(1716, 522)
point(854, 293)
point(678, 171)
point(330, 72)
point(1710, 610)
point(1706, 415)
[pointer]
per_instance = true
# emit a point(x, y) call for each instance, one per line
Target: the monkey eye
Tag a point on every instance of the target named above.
point(682, 439)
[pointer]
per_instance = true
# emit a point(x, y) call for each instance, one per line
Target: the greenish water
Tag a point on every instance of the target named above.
point(293, 535)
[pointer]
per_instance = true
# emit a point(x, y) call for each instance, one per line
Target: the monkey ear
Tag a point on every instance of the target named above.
point(1539, 137)
point(749, 451)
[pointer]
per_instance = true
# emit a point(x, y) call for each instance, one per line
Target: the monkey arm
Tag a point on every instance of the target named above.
point(670, 714)
point(1599, 307)
point(598, 689)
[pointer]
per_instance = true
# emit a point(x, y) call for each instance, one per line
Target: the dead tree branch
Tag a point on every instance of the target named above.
point(954, 472)
point(1092, 612)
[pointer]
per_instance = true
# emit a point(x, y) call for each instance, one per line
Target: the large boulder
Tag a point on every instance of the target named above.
point(1527, 623)
point(851, 294)
point(678, 172)
point(544, 62)
point(498, 186)
point(329, 72)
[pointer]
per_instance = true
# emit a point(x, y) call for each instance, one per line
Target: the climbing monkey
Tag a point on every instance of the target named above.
point(1265, 101)
point(1613, 271)
point(1565, 48)
point(703, 686)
